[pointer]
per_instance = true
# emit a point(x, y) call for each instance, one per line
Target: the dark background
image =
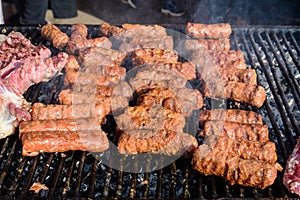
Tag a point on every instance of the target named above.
point(235, 12)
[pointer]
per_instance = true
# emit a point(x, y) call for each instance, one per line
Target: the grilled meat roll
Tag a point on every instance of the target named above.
point(164, 142)
point(212, 31)
point(234, 130)
point(231, 115)
point(254, 173)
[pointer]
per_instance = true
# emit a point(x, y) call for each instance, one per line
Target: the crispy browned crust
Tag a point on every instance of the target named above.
point(71, 71)
point(251, 94)
point(245, 149)
point(88, 124)
point(234, 130)
point(79, 31)
point(151, 55)
point(105, 75)
point(248, 76)
point(78, 40)
point(212, 31)
point(74, 46)
point(178, 100)
point(207, 44)
point(109, 30)
point(158, 142)
point(55, 35)
point(155, 118)
point(219, 59)
point(230, 115)
point(62, 141)
point(99, 56)
point(254, 173)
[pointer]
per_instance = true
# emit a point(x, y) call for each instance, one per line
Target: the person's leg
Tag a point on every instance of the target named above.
point(33, 12)
point(170, 8)
point(63, 8)
point(20, 5)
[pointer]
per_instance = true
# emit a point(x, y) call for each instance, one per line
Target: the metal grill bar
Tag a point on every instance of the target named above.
point(52, 187)
point(15, 183)
point(78, 174)
point(93, 179)
point(289, 48)
point(158, 191)
point(29, 176)
point(295, 43)
point(67, 185)
point(43, 173)
point(278, 84)
point(8, 162)
point(270, 115)
point(289, 76)
point(273, 90)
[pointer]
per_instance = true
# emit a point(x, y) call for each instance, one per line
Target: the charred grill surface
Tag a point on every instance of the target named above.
point(272, 52)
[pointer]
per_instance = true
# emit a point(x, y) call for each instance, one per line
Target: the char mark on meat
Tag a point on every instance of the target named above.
point(237, 131)
point(36, 142)
point(154, 118)
point(182, 100)
point(220, 59)
point(99, 56)
point(55, 36)
point(251, 94)
point(79, 41)
point(164, 142)
point(254, 173)
point(245, 149)
point(230, 115)
point(208, 31)
point(191, 45)
point(248, 76)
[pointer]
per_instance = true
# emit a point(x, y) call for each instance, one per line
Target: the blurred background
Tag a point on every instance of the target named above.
point(235, 12)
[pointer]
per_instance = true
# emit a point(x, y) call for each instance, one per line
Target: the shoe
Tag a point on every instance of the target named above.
point(170, 8)
point(132, 3)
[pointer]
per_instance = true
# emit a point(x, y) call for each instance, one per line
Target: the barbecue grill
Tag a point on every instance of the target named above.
point(272, 51)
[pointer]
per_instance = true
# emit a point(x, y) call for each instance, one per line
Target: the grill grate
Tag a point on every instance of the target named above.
point(272, 51)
